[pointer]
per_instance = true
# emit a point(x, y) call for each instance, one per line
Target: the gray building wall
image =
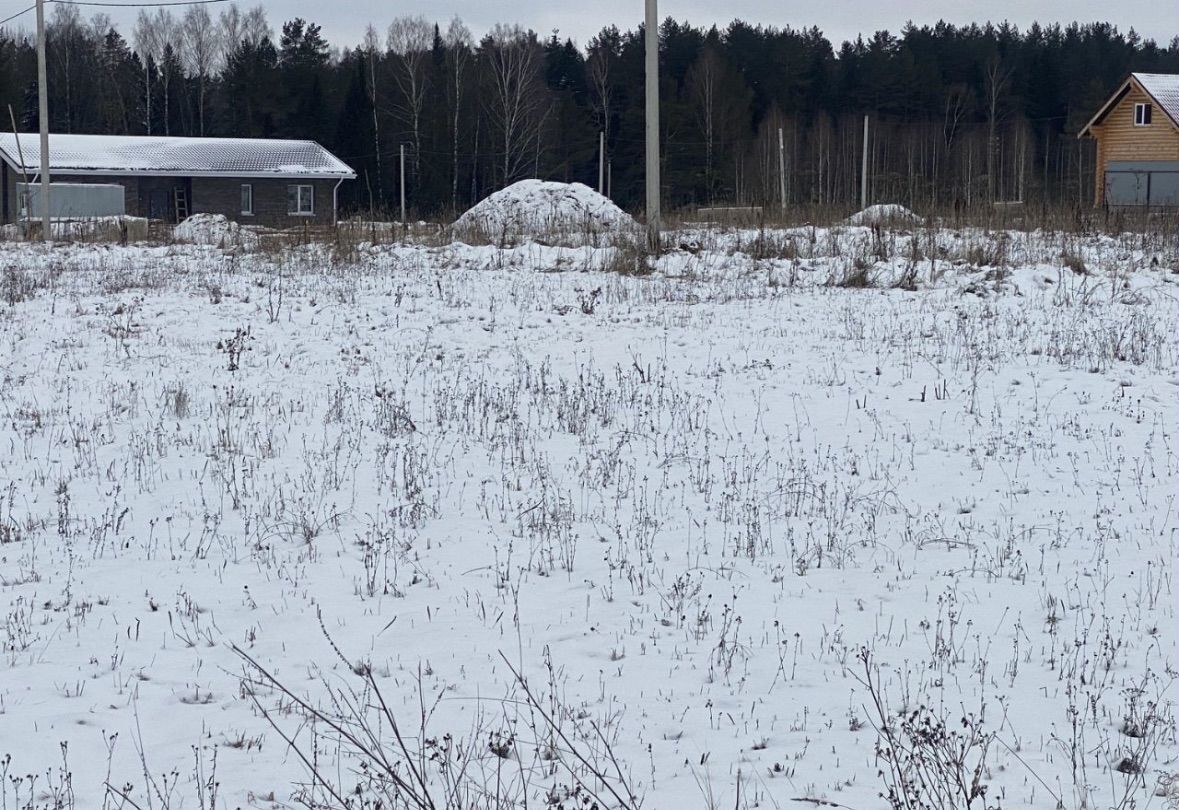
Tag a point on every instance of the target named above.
point(153, 197)
point(1142, 182)
point(223, 195)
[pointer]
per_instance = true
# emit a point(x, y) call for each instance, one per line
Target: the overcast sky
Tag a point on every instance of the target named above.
point(344, 21)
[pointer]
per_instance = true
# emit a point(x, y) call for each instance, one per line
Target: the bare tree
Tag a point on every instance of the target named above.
point(997, 79)
point(372, 47)
point(154, 35)
point(234, 28)
point(517, 95)
point(602, 56)
point(255, 26)
point(409, 42)
point(147, 43)
point(704, 81)
point(200, 51)
point(110, 89)
point(65, 34)
point(720, 100)
point(230, 26)
point(458, 54)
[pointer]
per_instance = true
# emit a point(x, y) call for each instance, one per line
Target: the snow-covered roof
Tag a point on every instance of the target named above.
point(188, 157)
point(1162, 87)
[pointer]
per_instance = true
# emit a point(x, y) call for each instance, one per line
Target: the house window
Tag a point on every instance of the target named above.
point(1142, 115)
point(301, 201)
point(248, 199)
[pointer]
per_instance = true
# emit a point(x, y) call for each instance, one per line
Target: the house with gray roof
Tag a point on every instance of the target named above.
point(251, 180)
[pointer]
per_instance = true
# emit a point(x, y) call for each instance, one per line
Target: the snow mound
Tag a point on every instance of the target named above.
point(543, 210)
point(214, 229)
point(876, 214)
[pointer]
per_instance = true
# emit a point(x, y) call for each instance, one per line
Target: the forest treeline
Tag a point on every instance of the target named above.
point(959, 115)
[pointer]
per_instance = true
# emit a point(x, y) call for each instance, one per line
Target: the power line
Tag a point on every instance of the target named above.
point(17, 14)
point(137, 5)
point(101, 4)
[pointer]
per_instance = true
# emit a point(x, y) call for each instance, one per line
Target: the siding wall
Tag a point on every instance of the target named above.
point(12, 177)
point(1119, 139)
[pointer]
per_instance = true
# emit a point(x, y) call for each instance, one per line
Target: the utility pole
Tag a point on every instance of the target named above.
point(652, 65)
point(864, 172)
point(781, 169)
point(402, 185)
point(601, 162)
point(43, 119)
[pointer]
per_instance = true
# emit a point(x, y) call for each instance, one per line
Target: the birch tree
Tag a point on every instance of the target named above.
point(997, 77)
point(200, 51)
point(409, 40)
point(516, 100)
point(155, 36)
point(458, 54)
point(372, 47)
point(147, 45)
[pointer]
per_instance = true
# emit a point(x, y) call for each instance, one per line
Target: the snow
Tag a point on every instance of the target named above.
point(214, 229)
point(114, 229)
point(884, 212)
point(543, 210)
point(680, 505)
point(190, 157)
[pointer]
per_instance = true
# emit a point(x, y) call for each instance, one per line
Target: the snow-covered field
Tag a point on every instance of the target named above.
point(724, 535)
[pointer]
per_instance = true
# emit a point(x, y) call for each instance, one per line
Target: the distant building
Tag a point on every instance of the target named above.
point(269, 182)
point(1137, 132)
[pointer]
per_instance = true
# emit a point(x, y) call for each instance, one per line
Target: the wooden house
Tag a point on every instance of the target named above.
point(1137, 133)
point(270, 182)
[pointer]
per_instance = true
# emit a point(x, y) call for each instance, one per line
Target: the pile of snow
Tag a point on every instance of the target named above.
point(543, 210)
point(214, 229)
point(876, 214)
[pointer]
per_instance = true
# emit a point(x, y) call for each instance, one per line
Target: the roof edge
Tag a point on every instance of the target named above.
point(18, 164)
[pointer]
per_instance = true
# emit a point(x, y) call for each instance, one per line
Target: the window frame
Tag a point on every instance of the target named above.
point(247, 212)
point(1143, 113)
point(300, 198)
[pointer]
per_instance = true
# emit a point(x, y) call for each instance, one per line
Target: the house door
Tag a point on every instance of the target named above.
point(157, 204)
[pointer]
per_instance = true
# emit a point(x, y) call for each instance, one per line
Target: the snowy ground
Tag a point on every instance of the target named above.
point(685, 507)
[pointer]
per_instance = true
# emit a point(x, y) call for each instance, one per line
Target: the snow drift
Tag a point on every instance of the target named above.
point(214, 229)
point(877, 214)
point(543, 211)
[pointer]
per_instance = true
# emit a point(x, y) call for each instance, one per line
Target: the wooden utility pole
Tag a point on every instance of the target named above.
point(652, 115)
point(43, 119)
point(402, 154)
point(864, 171)
point(601, 162)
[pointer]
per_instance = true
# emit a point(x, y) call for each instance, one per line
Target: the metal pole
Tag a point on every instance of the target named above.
point(43, 119)
point(403, 184)
point(864, 173)
point(652, 65)
point(781, 168)
point(601, 162)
